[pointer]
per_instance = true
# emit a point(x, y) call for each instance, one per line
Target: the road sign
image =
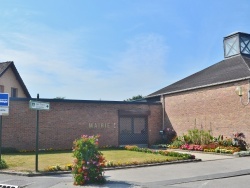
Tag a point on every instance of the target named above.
point(4, 110)
point(4, 99)
point(39, 105)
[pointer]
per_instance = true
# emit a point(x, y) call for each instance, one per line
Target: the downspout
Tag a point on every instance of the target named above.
point(163, 111)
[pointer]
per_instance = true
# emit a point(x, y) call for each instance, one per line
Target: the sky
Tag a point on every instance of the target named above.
point(114, 49)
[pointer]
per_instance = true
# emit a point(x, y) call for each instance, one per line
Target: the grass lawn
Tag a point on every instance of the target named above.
point(26, 161)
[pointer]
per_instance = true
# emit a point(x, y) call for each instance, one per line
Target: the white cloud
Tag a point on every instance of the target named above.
point(52, 63)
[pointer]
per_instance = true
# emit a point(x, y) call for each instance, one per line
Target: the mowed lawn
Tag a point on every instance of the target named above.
point(26, 161)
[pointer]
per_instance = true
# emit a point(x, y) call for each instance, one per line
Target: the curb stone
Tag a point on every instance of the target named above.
point(202, 152)
point(33, 174)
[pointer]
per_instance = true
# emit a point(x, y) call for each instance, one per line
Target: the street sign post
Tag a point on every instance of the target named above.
point(4, 110)
point(38, 105)
point(4, 99)
point(4, 104)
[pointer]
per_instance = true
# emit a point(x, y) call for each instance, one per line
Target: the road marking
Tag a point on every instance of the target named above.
point(204, 184)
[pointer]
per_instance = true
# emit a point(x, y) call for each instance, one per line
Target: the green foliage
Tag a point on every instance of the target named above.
point(198, 137)
point(177, 143)
point(3, 164)
point(227, 149)
point(239, 141)
point(227, 142)
point(6, 150)
point(134, 98)
point(89, 162)
point(161, 152)
point(59, 98)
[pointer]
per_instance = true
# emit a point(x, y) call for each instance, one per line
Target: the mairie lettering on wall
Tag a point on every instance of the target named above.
point(101, 125)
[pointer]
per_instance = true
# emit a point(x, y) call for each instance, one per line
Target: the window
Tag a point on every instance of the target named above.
point(13, 92)
point(231, 46)
point(245, 45)
point(139, 125)
point(126, 126)
point(1, 89)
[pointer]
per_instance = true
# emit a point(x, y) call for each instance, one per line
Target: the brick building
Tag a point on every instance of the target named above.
point(118, 123)
point(207, 99)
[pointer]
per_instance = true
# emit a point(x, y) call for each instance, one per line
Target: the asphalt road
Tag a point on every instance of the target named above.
point(214, 171)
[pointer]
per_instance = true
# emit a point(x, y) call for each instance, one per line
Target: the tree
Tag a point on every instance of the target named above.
point(59, 98)
point(134, 98)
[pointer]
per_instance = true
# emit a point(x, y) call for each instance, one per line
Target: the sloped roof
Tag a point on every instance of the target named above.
point(228, 70)
point(10, 64)
point(4, 66)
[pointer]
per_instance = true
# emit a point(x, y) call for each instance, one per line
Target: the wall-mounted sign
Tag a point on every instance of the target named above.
point(38, 105)
point(100, 125)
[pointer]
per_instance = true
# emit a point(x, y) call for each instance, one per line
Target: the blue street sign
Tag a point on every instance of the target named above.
point(4, 99)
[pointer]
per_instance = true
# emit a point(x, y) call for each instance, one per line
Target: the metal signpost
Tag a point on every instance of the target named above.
point(38, 105)
point(4, 110)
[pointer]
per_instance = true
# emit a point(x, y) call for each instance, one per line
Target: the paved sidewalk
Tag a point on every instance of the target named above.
point(206, 156)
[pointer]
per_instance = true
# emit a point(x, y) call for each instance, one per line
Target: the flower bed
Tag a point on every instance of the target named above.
point(211, 148)
point(201, 140)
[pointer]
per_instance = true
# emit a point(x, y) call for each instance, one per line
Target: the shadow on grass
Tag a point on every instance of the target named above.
point(41, 152)
point(13, 151)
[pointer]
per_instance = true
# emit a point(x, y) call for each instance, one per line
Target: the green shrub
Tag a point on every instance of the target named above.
point(177, 143)
point(89, 162)
point(161, 152)
point(199, 137)
point(3, 164)
point(5, 150)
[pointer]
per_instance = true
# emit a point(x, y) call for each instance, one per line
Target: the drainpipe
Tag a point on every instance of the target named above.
point(163, 111)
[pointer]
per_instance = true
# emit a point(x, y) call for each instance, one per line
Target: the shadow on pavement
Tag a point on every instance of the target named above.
point(115, 184)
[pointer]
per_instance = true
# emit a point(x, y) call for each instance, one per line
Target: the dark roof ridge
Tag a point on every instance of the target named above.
point(184, 78)
point(198, 87)
point(226, 71)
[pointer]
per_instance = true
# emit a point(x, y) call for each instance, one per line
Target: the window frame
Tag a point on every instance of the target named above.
point(14, 92)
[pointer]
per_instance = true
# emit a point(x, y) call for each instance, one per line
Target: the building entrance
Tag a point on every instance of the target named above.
point(133, 130)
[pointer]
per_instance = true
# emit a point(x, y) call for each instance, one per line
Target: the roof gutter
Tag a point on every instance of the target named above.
point(198, 87)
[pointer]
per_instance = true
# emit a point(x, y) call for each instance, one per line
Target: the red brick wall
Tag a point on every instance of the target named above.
point(217, 108)
point(68, 120)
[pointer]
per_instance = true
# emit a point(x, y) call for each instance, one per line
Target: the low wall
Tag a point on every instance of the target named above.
point(69, 119)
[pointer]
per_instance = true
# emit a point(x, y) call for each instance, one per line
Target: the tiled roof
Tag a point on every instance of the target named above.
point(4, 66)
point(10, 64)
point(226, 71)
